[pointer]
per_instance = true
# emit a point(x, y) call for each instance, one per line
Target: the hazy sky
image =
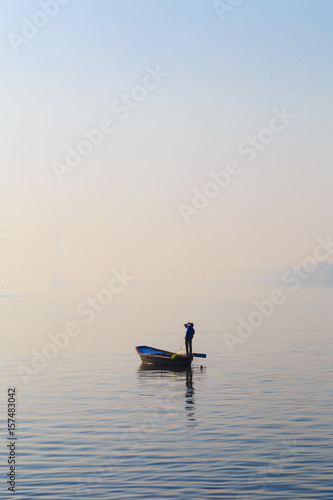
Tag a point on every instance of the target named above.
point(201, 83)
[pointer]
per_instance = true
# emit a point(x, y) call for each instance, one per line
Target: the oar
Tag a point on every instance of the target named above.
point(198, 355)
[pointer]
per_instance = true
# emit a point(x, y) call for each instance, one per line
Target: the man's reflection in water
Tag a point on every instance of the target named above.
point(189, 395)
point(146, 372)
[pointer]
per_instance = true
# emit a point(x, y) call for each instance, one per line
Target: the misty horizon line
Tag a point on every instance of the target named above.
point(319, 275)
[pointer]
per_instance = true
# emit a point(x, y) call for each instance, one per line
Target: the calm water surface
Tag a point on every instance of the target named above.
point(255, 423)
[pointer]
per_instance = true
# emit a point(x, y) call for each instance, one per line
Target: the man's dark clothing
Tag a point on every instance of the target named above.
point(188, 339)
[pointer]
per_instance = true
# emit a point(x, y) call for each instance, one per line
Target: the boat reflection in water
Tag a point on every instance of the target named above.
point(171, 380)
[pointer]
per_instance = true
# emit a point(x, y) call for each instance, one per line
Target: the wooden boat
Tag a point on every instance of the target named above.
point(164, 360)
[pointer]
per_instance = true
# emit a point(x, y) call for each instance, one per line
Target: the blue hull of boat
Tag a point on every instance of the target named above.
point(161, 359)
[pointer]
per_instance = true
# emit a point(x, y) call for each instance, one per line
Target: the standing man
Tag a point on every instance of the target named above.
point(188, 338)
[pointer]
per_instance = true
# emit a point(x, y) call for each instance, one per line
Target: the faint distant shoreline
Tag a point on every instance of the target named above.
point(320, 276)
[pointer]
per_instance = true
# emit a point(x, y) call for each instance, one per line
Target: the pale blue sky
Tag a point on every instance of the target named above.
point(225, 78)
